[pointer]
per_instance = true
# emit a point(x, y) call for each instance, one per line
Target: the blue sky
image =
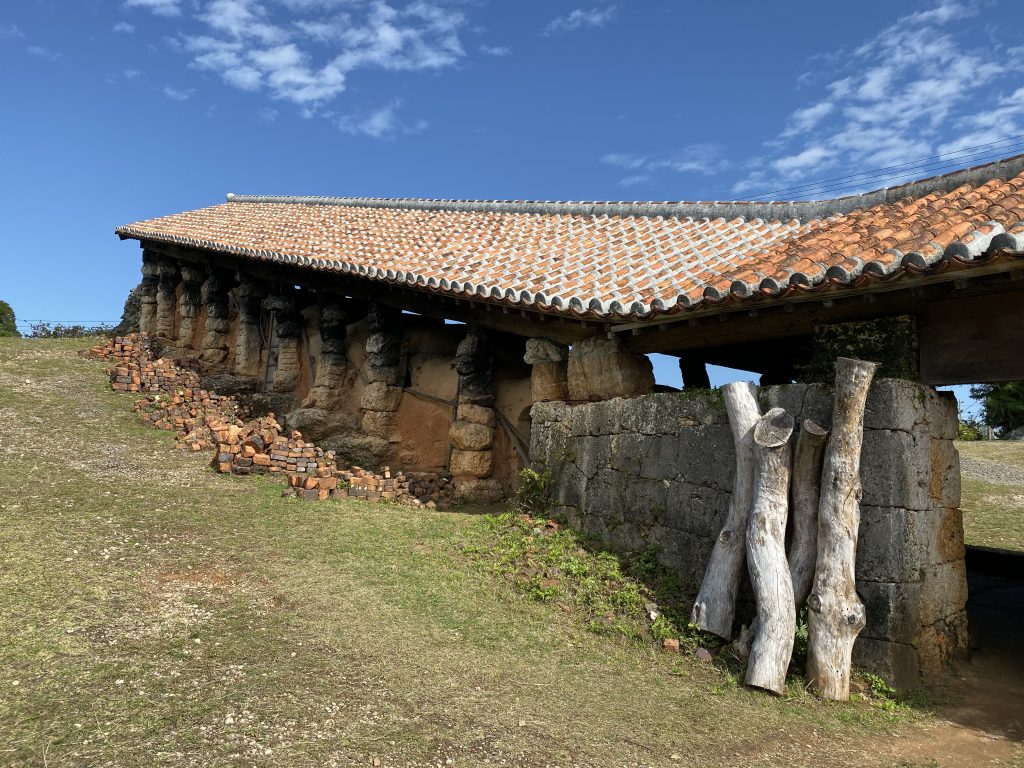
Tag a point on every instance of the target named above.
point(117, 110)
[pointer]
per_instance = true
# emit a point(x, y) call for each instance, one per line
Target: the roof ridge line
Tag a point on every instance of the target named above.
point(728, 209)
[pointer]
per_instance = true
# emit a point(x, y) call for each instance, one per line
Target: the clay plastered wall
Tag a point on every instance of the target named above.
point(657, 471)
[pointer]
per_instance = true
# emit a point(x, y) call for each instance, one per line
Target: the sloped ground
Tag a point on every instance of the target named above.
point(153, 613)
point(993, 493)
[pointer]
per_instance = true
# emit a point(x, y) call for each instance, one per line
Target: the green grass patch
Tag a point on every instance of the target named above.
point(993, 514)
point(155, 613)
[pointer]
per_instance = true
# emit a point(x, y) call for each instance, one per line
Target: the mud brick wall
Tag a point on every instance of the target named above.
point(657, 472)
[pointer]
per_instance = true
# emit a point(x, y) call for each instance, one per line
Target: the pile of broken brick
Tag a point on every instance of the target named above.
point(248, 445)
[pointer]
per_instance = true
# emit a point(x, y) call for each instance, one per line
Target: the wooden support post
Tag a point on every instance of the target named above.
point(715, 606)
point(806, 492)
point(836, 614)
point(766, 554)
point(695, 373)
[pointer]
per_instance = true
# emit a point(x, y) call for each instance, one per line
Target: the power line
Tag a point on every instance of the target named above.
point(918, 164)
point(911, 168)
point(930, 159)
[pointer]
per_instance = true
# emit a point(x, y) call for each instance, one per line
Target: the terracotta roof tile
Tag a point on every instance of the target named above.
point(621, 260)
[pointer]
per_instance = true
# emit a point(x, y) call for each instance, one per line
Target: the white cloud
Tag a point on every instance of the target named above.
point(124, 27)
point(42, 53)
point(11, 31)
point(918, 87)
point(131, 74)
point(159, 7)
point(495, 50)
point(803, 120)
point(307, 61)
point(795, 165)
point(632, 181)
point(178, 94)
point(624, 160)
point(380, 123)
point(701, 159)
point(268, 115)
point(580, 18)
point(242, 19)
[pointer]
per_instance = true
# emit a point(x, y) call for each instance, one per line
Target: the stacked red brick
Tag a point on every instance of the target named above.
point(135, 370)
point(202, 420)
point(193, 414)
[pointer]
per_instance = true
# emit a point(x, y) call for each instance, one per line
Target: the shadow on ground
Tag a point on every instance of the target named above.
point(988, 688)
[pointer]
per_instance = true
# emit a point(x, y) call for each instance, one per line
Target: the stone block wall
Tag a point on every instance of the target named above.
point(657, 472)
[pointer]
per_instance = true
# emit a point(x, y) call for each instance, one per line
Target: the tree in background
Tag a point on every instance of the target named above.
point(8, 323)
point(130, 315)
point(1002, 405)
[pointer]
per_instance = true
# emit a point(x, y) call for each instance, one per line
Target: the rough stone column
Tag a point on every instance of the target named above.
point(549, 377)
point(214, 346)
point(327, 390)
point(600, 369)
point(188, 304)
point(694, 372)
point(472, 433)
point(249, 337)
point(288, 330)
point(167, 299)
point(148, 292)
point(383, 393)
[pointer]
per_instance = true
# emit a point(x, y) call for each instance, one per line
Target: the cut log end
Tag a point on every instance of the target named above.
point(774, 428)
point(814, 429)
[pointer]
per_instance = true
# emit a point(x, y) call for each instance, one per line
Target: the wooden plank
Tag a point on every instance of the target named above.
point(971, 340)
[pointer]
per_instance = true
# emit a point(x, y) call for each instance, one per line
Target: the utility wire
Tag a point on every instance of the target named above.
point(951, 160)
point(931, 159)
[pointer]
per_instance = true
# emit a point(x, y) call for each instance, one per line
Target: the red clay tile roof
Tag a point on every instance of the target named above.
point(624, 260)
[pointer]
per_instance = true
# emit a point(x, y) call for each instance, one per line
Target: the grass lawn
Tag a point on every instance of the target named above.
point(994, 511)
point(154, 613)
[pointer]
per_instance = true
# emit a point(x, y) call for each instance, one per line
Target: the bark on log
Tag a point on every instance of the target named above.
point(806, 493)
point(803, 549)
point(715, 606)
point(836, 614)
point(766, 554)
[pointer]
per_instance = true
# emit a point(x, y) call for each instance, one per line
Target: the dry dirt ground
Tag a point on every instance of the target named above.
point(153, 613)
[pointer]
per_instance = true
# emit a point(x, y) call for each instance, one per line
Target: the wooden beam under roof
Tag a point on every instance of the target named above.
point(464, 308)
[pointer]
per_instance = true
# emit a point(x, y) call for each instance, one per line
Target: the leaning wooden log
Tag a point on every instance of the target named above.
point(803, 549)
point(766, 554)
point(835, 613)
point(715, 606)
point(806, 493)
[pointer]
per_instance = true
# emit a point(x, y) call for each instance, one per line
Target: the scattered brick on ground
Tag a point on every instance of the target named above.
point(203, 420)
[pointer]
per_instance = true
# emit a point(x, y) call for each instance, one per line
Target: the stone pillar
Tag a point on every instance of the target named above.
point(148, 292)
point(189, 300)
point(214, 346)
point(288, 332)
point(167, 299)
point(327, 391)
point(600, 369)
point(383, 393)
point(694, 372)
point(472, 433)
point(249, 336)
point(549, 377)
point(911, 572)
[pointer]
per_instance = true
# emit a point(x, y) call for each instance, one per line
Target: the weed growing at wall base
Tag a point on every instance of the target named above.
point(638, 600)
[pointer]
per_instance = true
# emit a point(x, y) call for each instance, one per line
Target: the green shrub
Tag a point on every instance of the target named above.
point(8, 323)
point(59, 331)
point(534, 492)
point(969, 430)
point(1002, 405)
